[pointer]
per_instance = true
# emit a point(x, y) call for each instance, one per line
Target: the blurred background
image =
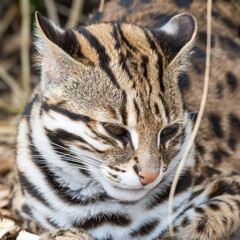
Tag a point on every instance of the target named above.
point(18, 75)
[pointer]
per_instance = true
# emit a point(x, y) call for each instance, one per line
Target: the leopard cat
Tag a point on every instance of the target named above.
point(102, 134)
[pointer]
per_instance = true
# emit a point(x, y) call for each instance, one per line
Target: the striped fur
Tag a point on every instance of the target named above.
point(108, 107)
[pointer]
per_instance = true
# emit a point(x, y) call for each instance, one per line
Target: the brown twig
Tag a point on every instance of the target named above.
point(75, 13)
point(198, 121)
point(25, 40)
point(10, 108)
point(62, 9)
point(101, 5)
point(52, 11)
point(8, 17)
point(11, 83)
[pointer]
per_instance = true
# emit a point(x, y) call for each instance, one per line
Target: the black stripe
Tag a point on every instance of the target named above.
point(73, 116)
point(184, 183)
point(104, 59)
point(222, 187)
point(28, 108)
point(231, 81)
point(160, 63)
point(115, 36)
point(137, 110)
point(184, 211)
point(62, 192)
point(164, 104)
point(238, 205)
point(26, 209)
point(196, 194)
point(199, 180)
point(157, 111)
point(103, 137)
point(145, 228)
point(144, 64)
point(71, 45)
point(52, 223)
point(115, 219)
point(124, 39)
point(125, 68)
point(31, 189)
point(234, 122)
point(122, 58)
point(123, 108)
point(55, 138)
point(58, 136)
point(160, 72)
point(215, 120)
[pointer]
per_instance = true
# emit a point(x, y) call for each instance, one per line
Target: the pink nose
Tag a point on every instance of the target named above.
point(147, 177)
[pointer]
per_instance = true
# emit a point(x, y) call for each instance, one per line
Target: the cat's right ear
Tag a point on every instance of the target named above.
point(49, 35)
point(58, 50)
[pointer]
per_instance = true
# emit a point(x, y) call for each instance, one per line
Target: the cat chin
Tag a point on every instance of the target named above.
point(125, 194)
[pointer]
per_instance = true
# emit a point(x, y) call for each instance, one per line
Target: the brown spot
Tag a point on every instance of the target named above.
point(156, 109)
point(199, 210)
point(113, 175)
point(214, 206)
point(112, 111)
point(185, 222)
point(215, 120)
point(135, 167)
point(224, 221)
point(116, 169)
point(231, 81)
point(201, 225)
point(198, 180)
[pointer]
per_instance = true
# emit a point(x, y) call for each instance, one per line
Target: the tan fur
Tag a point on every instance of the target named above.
point(82, 86)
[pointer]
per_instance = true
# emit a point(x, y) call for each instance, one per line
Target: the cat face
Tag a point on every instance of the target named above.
point(111, 97)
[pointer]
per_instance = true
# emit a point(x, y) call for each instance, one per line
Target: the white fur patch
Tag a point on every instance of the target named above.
point(170, 28)
point(134, 136)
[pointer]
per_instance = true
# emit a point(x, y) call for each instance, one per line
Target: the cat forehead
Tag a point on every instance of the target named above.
point(115, 32)
point(111, 39)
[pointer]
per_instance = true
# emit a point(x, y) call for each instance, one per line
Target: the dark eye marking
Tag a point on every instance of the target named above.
point(116, 169)
point(168, 133)
point(117, 132)
point(114, 129)
point(113, 175)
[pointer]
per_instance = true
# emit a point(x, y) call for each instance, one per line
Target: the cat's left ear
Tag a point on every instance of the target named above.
point(49, 35)
point(177, 37)
point(59, 52)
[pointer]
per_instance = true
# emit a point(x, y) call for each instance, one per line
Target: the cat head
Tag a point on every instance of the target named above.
point(112, 89)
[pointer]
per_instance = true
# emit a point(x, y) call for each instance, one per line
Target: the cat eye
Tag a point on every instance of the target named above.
point(168, 132)
point(115, 130)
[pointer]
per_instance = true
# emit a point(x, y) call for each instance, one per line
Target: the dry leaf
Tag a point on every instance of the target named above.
point(4, 191)
point(4, 203)
point(6, 225)
point(66, 238)
point(24, 235)
point(6, 213)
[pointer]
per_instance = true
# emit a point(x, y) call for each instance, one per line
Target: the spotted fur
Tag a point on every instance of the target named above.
point(118, 98)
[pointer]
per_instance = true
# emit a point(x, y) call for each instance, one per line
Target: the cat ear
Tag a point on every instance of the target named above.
point(58, 51)
point(50, 34)
point(177, 37)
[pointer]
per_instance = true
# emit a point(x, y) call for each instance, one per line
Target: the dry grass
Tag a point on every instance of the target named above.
point(198, 121)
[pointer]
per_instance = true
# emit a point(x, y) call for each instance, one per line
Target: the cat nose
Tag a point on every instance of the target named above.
point(147, 177)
